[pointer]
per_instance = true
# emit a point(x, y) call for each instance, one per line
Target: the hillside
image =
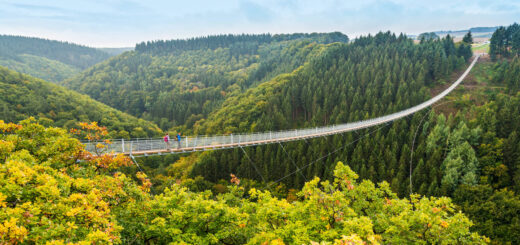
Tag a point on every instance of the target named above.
point(371, 77)
point(47, 59)
point(23, 96)
point(175, 83)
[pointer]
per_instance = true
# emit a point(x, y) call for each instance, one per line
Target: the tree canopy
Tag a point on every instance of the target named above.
point(51, 192)
point(505, 42)
point(47, 59)
point(23, 96)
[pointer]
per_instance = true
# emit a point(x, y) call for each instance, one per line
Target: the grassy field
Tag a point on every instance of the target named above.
point(479, 48)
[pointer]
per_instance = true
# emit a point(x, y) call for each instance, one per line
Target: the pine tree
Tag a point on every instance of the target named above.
point(468, 38)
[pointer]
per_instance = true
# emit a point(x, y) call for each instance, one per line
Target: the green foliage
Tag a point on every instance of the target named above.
point(468, 39)
point(508, 73)
point(505, 42)
point(41, 67)
point(427, 36)
point(494, 212)
point(374, 76)
point(178, 88)
point(64, 52)
point(238, 44)
point(47, 59)
point(47, 196)
point(244, 85)
point(379, 75)
point(22, 96)
point(325, 212)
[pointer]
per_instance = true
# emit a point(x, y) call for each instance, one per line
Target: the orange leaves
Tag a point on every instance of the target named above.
point(146, 184)
point(9, 127)
point(388, 201)
point(349, 184)
point(234, 179)
point(444, 224)
point(91, 131)
point(109, 162)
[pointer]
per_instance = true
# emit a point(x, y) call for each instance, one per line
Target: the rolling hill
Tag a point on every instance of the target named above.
point(47, 59)
point(179, 82)
point(23, 96)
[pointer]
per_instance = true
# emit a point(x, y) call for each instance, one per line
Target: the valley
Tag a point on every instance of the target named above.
point(301, 138)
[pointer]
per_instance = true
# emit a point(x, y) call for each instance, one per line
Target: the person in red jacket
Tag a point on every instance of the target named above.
point(167, 141)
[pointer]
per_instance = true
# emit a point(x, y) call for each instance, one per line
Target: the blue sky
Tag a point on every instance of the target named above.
point(122, 23)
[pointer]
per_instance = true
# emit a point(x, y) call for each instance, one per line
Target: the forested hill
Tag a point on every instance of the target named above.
point(371, 77)
point(176, 83)
point(22, 96)
point(47, 59)
point(240, 44)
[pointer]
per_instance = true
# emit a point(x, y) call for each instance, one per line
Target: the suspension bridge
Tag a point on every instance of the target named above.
point(146, 147)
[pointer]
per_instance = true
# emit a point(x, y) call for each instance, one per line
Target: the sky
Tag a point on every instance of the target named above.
point(123, 23)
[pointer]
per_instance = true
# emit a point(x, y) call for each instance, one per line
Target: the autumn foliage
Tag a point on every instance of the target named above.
point(51, 191)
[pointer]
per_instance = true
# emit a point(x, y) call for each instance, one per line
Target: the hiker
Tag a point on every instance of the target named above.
point(179, 140)
point(167, 141)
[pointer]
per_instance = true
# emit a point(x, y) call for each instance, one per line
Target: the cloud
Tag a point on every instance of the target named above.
point(255, 12)
point(125, 22)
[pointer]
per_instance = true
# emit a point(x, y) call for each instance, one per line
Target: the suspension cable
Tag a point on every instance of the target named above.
point(254, 166)
point(330, 153)
point(294, 164)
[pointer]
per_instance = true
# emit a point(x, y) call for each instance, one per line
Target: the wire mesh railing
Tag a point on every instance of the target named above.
point(200, 143)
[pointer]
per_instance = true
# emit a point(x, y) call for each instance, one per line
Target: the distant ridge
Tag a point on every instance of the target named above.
point(241, 42)
point(50, 60)
point(473, 30)
point(116, 51)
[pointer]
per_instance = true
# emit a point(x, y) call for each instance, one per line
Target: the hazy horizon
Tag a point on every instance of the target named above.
point(123, 23)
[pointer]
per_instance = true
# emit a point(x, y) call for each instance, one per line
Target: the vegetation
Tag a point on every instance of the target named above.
point(371, 77)
point(22, 96)
point(238, 44)
point(468, 38)
point(355, 89)
point(41, 67)
point(176, 83)
point(445, 175)
point(480, 48)
point(470, 153)
point(427, 36)
point(505, 42)
point(52, 191)
point(47, 59)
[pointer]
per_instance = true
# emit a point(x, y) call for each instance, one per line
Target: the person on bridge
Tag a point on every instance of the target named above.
point(178, 140)
point(167, 141)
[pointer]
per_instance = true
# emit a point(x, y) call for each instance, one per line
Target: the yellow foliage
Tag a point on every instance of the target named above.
point(11, 233)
